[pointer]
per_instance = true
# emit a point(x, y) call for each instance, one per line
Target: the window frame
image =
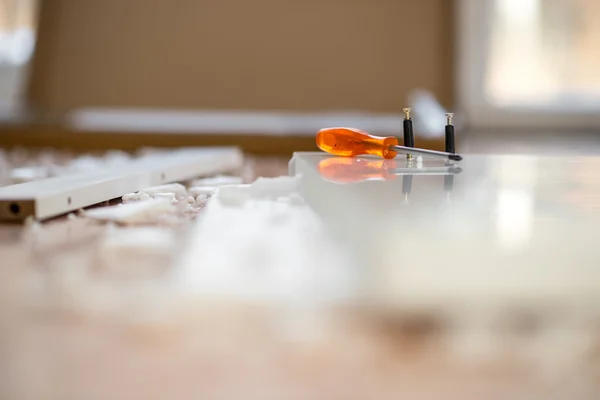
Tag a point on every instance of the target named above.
point(472, 35)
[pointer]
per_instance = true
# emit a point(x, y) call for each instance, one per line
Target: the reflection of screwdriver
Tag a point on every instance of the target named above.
point(407, 181)
point(354, 170)
point(354, 142)
point(357, 169)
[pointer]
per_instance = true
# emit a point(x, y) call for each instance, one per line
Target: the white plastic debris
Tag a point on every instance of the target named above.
point(132, 213)
point(29, 221)
point(275, 188)
point(117, 157)
point(220, 180)
point(201, 198)
point(233, 195)
point(58, 170)
point(176, 188)
point(28, 174)
point(202, 190)
point(143, 196)
point(130, 197)
point(164, 196)
point(85, 163)
point(138, 196)
point(71, 216)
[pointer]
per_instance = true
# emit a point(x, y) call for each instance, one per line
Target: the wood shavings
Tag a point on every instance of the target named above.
point(132, 213)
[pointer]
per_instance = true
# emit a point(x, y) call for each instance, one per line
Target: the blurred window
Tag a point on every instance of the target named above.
point(531, 56)
point(544, 52)
point(17, 31)
point(18, 23)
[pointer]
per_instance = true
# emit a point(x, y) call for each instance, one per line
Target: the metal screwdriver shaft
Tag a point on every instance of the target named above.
point(435, 153)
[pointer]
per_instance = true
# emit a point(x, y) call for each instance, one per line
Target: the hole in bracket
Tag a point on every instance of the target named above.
point(69, 200)
point(14, 208)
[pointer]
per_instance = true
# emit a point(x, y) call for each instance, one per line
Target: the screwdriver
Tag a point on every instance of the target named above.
point(351, 142)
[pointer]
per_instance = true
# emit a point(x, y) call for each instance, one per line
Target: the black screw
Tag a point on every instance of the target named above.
point(450, 145)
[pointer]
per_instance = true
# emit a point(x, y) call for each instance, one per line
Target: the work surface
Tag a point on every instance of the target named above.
point(357, 279)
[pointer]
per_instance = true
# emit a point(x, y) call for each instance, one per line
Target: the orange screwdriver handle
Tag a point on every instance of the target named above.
point(349, 142)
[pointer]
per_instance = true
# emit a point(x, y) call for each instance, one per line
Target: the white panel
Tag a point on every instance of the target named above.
point(59, 195)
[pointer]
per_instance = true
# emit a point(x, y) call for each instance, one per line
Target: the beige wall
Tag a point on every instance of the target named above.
point(242, 54)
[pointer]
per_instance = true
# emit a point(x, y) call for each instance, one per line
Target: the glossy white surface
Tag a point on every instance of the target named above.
point(513, 232)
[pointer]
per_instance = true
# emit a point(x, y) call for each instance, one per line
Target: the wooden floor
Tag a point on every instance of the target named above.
point(85, 317)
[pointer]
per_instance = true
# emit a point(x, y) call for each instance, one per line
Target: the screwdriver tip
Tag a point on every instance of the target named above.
point(449, 117)
point(407, 112)
point(455, 157)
